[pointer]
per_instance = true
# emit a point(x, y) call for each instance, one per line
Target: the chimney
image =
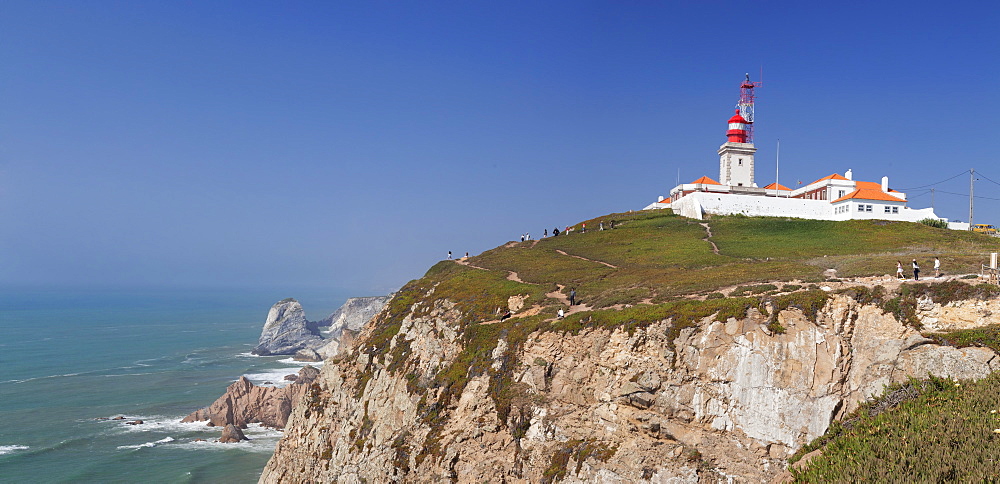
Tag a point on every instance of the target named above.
point(885, 184)
point(660, 198)
point(849, 174)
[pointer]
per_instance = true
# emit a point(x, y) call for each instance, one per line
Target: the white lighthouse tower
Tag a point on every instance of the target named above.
point(736, 155)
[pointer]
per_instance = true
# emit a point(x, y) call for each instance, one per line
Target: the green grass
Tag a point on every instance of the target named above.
point(922, 431)
point(660, 256)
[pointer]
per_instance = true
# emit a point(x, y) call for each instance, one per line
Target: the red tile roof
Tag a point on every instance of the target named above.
point(834, 176)
point(780, 187)
point(869, 194)
point(871, 185)
point(706, 181)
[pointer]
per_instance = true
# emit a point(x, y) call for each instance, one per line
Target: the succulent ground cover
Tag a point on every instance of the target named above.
point(934, 430)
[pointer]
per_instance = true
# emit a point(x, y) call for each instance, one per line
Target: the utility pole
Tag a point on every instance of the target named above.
point(932, 199)
point(972, 183)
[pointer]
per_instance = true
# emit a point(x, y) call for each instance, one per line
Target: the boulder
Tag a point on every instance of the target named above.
point(232, 434)
point(307, 354)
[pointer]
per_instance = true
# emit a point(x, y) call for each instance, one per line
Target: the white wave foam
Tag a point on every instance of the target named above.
point(272, 378)
point(147, 444)
point(247, 354)
point(293, 361)
point(7, 449)
point(262, 439)
point(158, 423)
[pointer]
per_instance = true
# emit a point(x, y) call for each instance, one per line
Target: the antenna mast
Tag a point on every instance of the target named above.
point(746, 104)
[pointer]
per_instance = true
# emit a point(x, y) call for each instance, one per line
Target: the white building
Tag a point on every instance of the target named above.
point(833, 197)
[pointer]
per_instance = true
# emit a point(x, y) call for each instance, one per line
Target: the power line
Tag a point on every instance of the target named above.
point(987, 179)
point(935, 183)
point(966, 195)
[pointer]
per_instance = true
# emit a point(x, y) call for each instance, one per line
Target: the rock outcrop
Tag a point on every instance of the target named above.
point(653, 403)
point(287, 330)
point(351, 317)
point(245, 403)
point(232, 434)
point(353, 314)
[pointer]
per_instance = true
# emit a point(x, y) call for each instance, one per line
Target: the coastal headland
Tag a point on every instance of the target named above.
point(695, 351)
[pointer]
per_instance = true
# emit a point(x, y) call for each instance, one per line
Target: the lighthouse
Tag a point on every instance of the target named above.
point(736, 155)
point(737, 128)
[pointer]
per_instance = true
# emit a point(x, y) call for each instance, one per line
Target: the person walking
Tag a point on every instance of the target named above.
point(572, 297)
point(583, 230)
point(449, 255)
point(899, 270)
point(555, 231)
point(937, 267)
point(916, 270)
point(601, 226)
point(545, 233)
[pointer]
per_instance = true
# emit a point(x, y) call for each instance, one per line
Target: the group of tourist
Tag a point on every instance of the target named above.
point(916, 269)
point(569, 229)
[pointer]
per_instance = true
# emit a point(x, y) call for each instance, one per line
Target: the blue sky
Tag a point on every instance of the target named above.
point(351, 145)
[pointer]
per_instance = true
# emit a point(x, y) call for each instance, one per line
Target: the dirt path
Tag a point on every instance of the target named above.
point(466, 263)
point(558, 294)
point(586, 259)
point(715, 248)
point(511, 275)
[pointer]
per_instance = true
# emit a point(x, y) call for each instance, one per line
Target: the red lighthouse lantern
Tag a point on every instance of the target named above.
point(737, 129)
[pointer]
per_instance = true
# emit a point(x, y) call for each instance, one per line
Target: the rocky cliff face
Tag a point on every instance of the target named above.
point(663, 402)
point(350, 317)
point(287, 330)
point(245, 403)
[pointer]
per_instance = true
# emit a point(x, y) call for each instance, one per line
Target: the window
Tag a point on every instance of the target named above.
point(895, 209)
point(741, 161)
point(888, 209)
point(861, 208)
point(868, 208)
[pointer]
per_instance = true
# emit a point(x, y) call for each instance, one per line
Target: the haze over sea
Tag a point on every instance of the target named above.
point(69, 357)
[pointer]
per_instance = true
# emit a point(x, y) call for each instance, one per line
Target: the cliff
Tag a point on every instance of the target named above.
point(726, 397)
point(646, 382)
point(350, 317)
point(287, 331)
point(245, 403)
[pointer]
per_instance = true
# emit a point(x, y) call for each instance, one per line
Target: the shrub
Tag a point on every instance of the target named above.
point(933, 222)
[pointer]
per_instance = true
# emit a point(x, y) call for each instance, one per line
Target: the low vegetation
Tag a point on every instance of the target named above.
point(653, 266)
point(936, 430)
point(657, 256)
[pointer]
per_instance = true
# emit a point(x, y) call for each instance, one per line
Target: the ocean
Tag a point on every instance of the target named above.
point(72, 360)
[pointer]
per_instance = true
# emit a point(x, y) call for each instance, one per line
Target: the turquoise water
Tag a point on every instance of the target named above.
point(69, 359)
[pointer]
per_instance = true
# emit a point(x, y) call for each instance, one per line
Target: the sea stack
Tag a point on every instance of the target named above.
point(287, 330)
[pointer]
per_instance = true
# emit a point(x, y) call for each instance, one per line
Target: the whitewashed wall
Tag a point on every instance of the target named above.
point(697, 204)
